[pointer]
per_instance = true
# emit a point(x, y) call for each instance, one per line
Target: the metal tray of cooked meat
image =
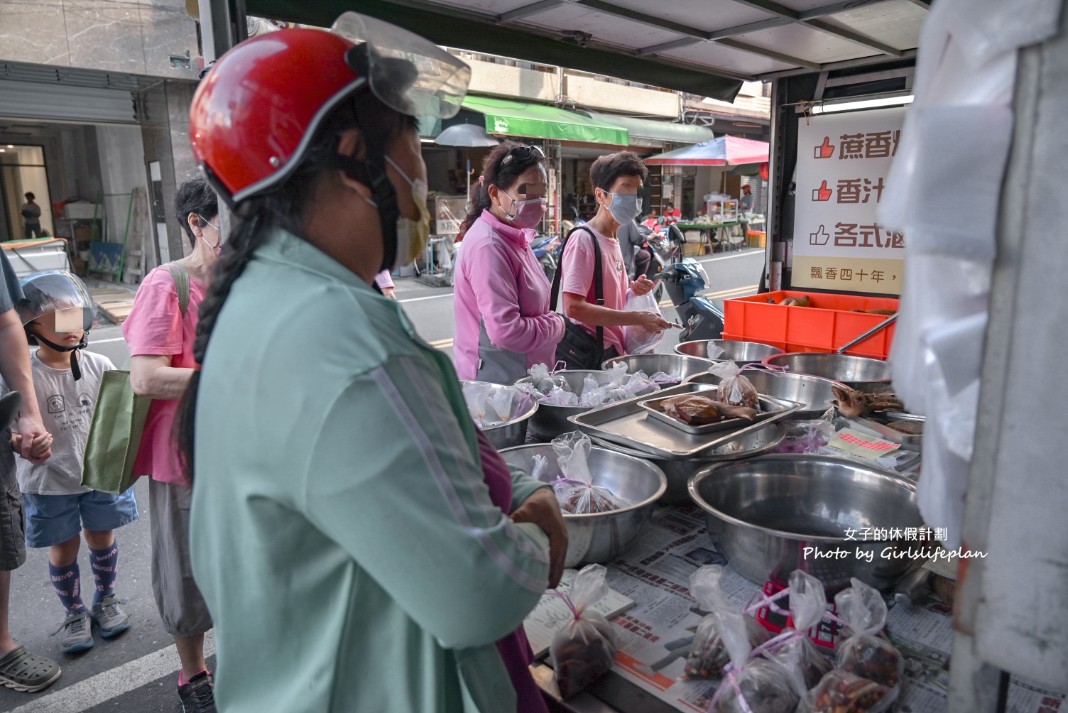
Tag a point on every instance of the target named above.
point(628, 424)
point(769, 406)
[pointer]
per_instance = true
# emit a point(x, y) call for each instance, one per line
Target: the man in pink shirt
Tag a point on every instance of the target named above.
point(617, 179)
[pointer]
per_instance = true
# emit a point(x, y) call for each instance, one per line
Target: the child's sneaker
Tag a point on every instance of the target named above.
point(198, 694)
point(110, 617)
point(77, 633)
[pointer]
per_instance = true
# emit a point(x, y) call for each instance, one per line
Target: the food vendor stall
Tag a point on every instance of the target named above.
point(976, 193)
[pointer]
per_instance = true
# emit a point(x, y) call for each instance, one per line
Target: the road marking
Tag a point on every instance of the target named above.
point(105, 341)
point(111, 684)
point(429, 297)
point(441, 343)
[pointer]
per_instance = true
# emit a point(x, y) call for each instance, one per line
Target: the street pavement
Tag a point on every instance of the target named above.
point(137, 672)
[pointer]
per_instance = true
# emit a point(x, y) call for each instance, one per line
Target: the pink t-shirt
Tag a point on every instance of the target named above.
point(156, 327)
point(577, 264)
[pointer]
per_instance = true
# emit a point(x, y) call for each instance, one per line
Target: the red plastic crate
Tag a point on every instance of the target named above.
point(826, 324)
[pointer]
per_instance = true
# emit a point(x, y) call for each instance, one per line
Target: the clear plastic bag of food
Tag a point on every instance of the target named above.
point(842, 692)
point(734, 388)
point(583, 649)
point(864, 653)
point(808, 436)
point(792, 648)
point(574, 488)
point(640, 340)
point(545, 381)
point(477, 395)
point(708, 655)
point(540, 471)
point(750, 684)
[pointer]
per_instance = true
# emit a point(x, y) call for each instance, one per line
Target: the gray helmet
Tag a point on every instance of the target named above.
point(54, 291)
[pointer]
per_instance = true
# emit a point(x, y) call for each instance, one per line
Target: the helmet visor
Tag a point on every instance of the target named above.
point(406, 72)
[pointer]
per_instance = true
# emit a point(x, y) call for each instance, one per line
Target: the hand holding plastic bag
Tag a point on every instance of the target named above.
point(583, 650)
point(639, 340)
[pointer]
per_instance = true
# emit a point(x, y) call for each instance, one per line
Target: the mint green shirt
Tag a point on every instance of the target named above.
point(342, 534)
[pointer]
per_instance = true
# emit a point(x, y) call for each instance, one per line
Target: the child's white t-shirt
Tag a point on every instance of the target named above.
point(66, 410)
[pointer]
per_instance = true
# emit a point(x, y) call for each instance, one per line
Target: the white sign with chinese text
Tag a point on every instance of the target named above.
point(842, 164)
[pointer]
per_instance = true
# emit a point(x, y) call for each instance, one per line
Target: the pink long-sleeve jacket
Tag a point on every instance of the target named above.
point(501, 283)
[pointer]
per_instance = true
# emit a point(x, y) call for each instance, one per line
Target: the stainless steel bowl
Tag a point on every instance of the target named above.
point(812, 391)
point(602, 537)
point(680, 367)
point(741, 352)
point(514, 432)
point(550, 421)
point(861, 373)
point(679, 470)
point(774, 514)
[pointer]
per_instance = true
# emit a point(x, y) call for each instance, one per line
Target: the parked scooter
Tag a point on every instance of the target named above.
point(684, 280)
point(547, 249)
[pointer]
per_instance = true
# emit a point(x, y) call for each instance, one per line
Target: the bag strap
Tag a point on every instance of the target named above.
point(598, 286)
point(181, 282)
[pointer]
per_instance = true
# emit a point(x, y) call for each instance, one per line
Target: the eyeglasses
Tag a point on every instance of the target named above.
point(522, 153)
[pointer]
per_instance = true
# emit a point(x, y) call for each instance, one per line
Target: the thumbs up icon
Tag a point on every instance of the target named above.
point(820, 237)
point(824, 150)
point(823, 193)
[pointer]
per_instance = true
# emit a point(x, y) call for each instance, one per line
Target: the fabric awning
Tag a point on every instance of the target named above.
point(653, 131)
point(724, 151)
point(544, 122)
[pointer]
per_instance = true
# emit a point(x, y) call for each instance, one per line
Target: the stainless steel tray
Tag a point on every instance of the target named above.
point(768, 407)
point(755, 443)
point(628, 424)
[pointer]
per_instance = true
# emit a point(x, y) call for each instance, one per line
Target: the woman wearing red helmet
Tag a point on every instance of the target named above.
point(359, 543)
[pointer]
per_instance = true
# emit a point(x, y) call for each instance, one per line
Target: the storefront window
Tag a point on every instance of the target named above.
point(22, 171)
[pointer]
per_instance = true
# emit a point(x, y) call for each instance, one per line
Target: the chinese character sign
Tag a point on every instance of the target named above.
point(842, 163)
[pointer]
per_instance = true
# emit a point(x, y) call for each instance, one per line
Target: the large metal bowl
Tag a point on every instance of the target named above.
point(550, 421)
point(774, 514)
point(679, 367)
point(740, 352)
point(861, 373)
point(514, 432)
point(679, 470)
point(602, 537)
point(814, 392)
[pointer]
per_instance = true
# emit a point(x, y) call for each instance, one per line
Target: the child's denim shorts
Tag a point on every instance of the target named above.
point(54, 519)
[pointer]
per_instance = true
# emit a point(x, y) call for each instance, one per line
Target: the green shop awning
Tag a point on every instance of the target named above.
point(651, 130)
point(544, 122)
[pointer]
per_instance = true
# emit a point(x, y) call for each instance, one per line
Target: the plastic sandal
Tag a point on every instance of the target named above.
point(28, 672)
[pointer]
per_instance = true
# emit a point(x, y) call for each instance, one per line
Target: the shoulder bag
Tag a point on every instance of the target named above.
point(119, 419)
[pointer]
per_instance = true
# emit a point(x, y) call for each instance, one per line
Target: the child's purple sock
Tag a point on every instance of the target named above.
point(105, 564)
point(68, 583)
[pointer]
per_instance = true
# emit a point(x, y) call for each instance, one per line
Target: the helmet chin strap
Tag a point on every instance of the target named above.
point(75, 369)
point(372, 173)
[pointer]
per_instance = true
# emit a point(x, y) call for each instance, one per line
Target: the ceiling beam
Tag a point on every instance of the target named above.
point(785, 58)
point(834, 66)
point(527, 10)
point(810, 18)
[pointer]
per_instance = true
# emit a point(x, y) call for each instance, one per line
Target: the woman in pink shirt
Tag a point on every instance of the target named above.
point(617, 179)
point(503, 322)
point(160, 335)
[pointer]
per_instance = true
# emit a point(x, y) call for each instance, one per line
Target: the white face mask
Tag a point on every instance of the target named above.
point(412, 235)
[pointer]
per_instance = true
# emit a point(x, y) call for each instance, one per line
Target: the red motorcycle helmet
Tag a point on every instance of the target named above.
point(259, 105)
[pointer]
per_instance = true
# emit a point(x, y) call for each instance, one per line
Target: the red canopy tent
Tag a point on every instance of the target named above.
point(722, 151)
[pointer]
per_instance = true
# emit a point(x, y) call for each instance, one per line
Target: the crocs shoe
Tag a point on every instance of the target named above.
point(27, 672)
point(198, 694)
point(110, 617)
point(77, 633)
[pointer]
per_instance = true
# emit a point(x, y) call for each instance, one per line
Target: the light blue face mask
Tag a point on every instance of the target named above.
point(625, 206)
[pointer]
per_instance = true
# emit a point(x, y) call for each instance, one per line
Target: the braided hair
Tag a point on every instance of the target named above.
point(493, 173)
point(283, 207)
